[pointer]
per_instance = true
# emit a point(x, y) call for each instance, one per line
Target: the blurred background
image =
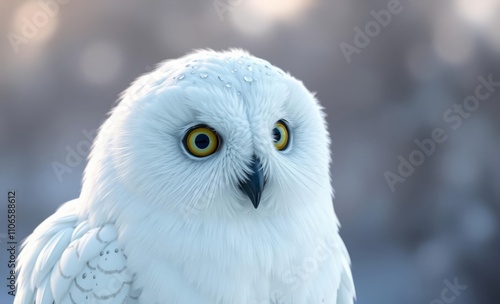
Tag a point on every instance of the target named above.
point(388, 72)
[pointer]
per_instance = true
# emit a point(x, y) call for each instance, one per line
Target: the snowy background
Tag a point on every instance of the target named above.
point(62, 65)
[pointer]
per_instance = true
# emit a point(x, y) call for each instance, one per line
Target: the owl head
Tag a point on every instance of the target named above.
point(212, 134)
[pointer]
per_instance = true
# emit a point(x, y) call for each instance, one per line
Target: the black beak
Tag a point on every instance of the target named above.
point(254, 182)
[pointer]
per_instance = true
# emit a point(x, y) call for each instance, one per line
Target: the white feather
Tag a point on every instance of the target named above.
point(76, 272)
point(50, 253)
point(44, 293)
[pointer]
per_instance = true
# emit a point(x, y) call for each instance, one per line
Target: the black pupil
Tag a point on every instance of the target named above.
point(201, 141)
point(276, 134)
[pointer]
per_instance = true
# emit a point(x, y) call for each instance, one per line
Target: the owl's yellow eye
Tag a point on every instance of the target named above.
point(281, 135)
point(201, 141)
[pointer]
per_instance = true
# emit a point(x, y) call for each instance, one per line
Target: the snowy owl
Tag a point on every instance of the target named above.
point(208, 183)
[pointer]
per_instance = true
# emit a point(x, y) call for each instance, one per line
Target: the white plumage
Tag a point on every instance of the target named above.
point(208, 183)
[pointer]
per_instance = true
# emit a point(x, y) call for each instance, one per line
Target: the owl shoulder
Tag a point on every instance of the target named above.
point(65, 260)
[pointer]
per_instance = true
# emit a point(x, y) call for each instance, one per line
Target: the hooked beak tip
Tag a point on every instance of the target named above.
point(254, 183)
